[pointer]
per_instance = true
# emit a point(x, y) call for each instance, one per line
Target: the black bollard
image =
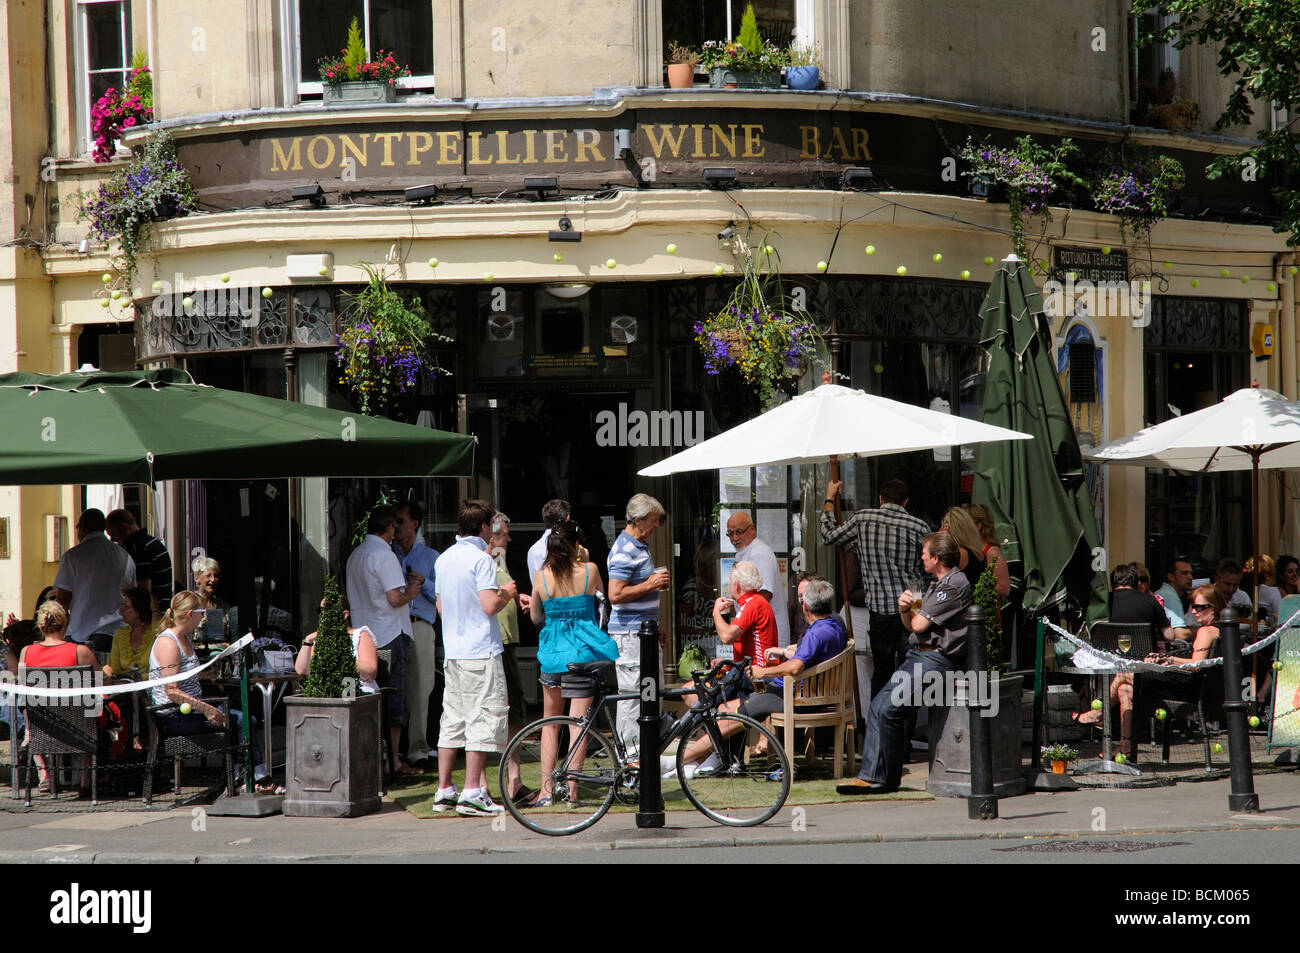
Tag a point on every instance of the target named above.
point(1242, 799)
point(650, 813)
point(982, 804)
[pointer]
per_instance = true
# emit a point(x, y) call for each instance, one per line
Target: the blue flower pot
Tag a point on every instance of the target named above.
point(803, 77)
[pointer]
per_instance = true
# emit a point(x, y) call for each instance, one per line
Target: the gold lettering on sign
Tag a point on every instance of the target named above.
point(555, 150)
point(415, 150)
point(698, 130)
point(387, 138)
point(346, 146)
point(503, 150)
point(811, 143)
point(588, 141)
point(837, 144)
point(449, 145)
point(753, 144)
point(720, 137)
point(282, 162)
point(657, 143)
point(475, 150)
point(311, 152)
point(860, 150)
point(530, 146)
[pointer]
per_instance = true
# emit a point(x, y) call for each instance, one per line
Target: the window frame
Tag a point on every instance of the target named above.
point(293, 48)
point(81, 39)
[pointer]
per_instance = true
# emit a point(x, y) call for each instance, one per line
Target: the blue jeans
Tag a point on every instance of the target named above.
point(885, 740)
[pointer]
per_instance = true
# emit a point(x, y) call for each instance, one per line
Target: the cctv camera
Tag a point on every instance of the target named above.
point(727, 234)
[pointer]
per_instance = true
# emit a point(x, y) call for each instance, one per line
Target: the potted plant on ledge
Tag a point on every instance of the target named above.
point(353, 77)
point(1060, 757)
point(332, 742)
point(805, 69)
point(682, 61)
point(748, 62)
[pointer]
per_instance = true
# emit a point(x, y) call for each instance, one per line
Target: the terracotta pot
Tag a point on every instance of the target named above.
point(1058, 767)
point(681, 75)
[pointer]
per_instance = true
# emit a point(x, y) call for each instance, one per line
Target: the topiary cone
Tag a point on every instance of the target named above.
point(333, 661)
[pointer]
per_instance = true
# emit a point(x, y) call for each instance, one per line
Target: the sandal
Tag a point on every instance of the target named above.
point(268, 786)
point(1080, 718)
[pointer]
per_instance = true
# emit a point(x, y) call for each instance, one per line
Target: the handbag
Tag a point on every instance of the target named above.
point(693, 659)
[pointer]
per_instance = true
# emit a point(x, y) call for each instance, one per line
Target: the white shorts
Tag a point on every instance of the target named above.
point(474, 705)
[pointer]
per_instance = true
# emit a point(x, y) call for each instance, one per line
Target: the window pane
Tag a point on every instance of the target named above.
point(405, 29)
point(104, 31)
point(100, 83)
point(323, 30)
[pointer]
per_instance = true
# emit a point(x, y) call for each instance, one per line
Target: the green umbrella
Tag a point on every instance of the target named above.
point(1035, 488)
point(145, 426)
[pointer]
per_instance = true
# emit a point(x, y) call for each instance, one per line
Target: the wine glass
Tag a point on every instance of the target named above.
point(1125, 643)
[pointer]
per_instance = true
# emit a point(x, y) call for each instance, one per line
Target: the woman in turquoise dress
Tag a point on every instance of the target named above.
point(564, 596)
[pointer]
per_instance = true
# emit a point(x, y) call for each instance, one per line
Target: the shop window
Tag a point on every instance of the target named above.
point(401, 27)
point(692, 22)
point(103, 58)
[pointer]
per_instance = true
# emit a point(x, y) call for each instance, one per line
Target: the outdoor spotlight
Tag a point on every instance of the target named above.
point(83, 246)
point(421, 193)
point(541, 184)
point(312, 193)
point(718, 176)
point(727, 234)
point(857, 177)
point(565, 233)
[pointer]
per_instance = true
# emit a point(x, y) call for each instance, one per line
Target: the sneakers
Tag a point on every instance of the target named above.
point(446, 799)
point(667, 766)
point(478, 804)
point(709, 765)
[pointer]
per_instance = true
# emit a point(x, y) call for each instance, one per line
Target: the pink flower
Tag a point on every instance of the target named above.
point(128, 122)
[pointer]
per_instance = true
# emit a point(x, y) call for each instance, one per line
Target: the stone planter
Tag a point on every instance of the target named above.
point(803, 77)
point(363, 92)
point(332, 764)
point(950, 745)
point(720, 77)
point(681, 75)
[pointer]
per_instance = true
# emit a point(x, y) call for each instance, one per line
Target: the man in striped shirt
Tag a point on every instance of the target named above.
point(153, 564)
point(634, 588)
point(888, 545)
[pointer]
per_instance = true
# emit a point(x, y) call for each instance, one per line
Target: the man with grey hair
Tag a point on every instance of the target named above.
point(634, 587)
point(824, 639)
point(749, 548)
point(554, 512)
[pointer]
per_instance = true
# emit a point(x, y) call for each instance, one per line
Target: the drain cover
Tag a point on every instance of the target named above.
point(1093, 846)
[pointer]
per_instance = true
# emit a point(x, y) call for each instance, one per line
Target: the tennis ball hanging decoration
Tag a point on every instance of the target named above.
point(1224, 273)
point(1245, 279)
point(671, 248)
point(106, 278)
point(1105, 249)
point(433, 263)
point(901, 269)
point(937, 257)
point(717, 270)
point(187, 301)
point(1096, 704)
point(558, 256)
point(1216, 748)
point(1271, 287)
point(965, 273)
point(988, 259)
point(104, 302)
point(488, 276)
point(1292, 269)
point(871, 250)
point(1121, 758)
point(267, 292)
point(1161, 714)
point(225, 279)
point(1277, 665)
point(322, 271)
point(1166, 265)
point(610, 263)
point(1254, 721)
point(769, 250)
point(822, 266)
point(186, 708)
point(116, 294)
point(1195, 282)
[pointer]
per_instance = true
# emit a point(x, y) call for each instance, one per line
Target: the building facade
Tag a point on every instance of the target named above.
point(575, 362)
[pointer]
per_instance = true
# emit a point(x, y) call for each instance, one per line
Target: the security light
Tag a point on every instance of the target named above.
point(312, 193)
point(565, 233)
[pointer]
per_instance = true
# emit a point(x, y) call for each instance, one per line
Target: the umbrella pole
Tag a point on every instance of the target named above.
point(844, 585)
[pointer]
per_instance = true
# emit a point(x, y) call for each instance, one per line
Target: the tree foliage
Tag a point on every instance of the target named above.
point(1259, 47)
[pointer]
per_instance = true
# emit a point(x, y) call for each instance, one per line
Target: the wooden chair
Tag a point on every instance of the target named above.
point(818, 696)
point(59, 726)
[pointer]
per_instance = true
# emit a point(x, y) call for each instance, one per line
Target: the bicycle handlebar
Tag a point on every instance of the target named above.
point(707, 679)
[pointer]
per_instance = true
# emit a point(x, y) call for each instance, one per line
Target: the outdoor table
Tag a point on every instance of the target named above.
point(268, 684)
point(1104, 764)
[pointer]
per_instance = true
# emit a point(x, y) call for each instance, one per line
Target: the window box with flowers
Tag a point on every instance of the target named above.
point(121, 109)
point(759, 334)
point(384, 346)
point(747, 62)
point(1141, 189)
point(353, 77)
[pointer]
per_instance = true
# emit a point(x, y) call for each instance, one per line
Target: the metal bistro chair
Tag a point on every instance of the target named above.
point(1106, 636)
point(217, 741)
point(60, 726)
point(1208, 692)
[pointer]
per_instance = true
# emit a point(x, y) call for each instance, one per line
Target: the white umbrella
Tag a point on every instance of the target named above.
point(830, 421)
point(1250, 429)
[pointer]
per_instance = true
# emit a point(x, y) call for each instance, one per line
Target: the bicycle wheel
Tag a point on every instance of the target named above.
point(593, 778)
point(730, 788)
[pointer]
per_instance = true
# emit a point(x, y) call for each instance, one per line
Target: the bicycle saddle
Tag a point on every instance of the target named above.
point(591, 668)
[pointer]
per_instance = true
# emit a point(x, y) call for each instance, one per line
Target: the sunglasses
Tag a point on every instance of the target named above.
point(1201, 605)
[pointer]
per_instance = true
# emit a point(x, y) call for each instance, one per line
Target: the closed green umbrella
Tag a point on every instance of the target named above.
point(1035, 488)
point(146, 426)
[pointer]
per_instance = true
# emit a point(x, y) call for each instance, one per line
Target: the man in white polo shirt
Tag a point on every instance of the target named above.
point(474, 701)
point(90, 581)
point(379, 594)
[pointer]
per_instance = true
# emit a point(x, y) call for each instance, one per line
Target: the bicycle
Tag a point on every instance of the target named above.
point(735, 791)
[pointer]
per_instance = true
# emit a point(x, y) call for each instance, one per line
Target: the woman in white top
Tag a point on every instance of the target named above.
point(173, 652)
point(363, 650)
